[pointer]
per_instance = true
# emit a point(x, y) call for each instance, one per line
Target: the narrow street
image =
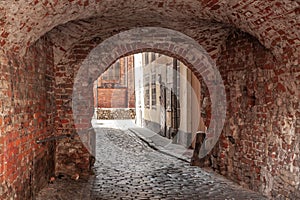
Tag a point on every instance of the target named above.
point(126, 168)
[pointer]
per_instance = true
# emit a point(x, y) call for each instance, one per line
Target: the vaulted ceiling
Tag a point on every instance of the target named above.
point(275, 23)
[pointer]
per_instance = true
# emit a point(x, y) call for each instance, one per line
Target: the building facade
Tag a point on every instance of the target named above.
point(168, 97)
point(114, 91)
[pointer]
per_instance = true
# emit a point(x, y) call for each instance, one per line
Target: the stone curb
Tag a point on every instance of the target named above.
point(152, 145)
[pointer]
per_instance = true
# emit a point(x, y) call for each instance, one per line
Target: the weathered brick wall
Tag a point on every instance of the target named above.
point(274, 23)
point(112, 97)
point(65, 73)
point(71, 154)
point(27, 114)
point(119, 94)
point(72, 157)
point(243, 60)
point(259, 146)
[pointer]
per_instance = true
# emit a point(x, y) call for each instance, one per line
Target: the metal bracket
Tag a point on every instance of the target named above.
point(59, 137)
point(55, 138)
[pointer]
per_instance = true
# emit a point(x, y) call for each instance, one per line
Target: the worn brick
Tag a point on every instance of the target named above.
point(256, 146)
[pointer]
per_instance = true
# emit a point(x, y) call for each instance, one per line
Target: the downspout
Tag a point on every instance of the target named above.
point(126, 79)
point(174, 100)
point(97, 98)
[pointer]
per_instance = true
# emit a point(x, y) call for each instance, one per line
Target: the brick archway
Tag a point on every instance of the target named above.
point(138, 40)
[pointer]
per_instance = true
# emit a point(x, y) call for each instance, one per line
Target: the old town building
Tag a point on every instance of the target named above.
point(168, 97)
point(114, 96)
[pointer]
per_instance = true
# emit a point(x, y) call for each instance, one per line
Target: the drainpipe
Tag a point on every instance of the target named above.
point(96, 99)
point(174, 100)
point(126, 77)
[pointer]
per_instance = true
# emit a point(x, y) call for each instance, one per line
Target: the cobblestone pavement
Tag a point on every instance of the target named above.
point(126, 168)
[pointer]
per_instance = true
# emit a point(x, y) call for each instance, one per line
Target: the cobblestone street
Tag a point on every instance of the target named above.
point(126, 168)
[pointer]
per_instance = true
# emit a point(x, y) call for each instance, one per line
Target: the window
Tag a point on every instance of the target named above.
point(117, 70)
point(153, 90)
point(111, 78)
point(147, 91)
point(152, 56)
point(146, 58)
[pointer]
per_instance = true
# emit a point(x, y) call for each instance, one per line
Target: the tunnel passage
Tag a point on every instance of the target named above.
point(255, 45)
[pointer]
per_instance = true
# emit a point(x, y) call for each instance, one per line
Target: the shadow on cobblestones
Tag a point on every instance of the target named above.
point(126, 168)
point(66, 188)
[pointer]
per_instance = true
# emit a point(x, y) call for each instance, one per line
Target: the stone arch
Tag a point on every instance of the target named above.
point(146, 39)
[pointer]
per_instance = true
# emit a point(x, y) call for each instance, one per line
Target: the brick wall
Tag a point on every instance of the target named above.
point(271, 111)
point(121, 94)
point(79, 161)
point(259, 144)
point(71, 154)
point(27, 114)
point(112, 97)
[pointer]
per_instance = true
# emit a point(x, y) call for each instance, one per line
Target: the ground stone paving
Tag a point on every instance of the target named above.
point(126, 168)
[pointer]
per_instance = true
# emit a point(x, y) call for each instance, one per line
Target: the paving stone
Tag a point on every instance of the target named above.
point(125, 168)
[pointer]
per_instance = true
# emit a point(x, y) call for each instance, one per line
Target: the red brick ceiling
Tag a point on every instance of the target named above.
point(276, 23)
